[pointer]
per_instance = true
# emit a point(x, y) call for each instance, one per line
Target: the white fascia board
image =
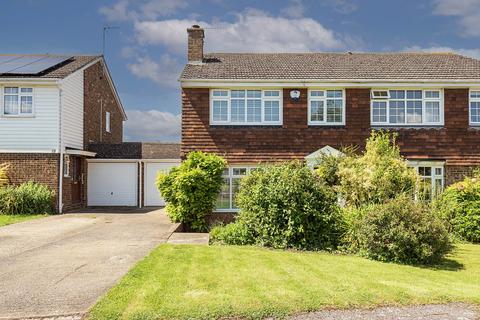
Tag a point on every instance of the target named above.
point(80, 153)
point(428, 83)
point(28, 151)
point(30, 81)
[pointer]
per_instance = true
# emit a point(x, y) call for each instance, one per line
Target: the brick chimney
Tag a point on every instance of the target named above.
point(195, 44)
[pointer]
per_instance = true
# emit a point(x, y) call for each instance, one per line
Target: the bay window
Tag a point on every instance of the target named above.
point(245, 107)
point(231, 185)
point(475, 107)
point(326, 107)
point(17, 101)
point(406, 107)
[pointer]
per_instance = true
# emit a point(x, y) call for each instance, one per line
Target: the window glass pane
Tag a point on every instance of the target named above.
point(238, 110)
point(272, 111)
point(414, 94)
point(379, 111)
point(334, 110)
point(10, 104)
point(239, 171)
point(26, 104)
point(254, 94)
point(425, 171)
point(220, 93)
point(12, 90)
point(397, 94)
point(317, 93)
point(414, 111)
point(220, 110)
point(26, 90)
point(238, 93)
point(223, 199)
point(316, 111)
point(235, 188)
point(432, 94)
point(474, 94)
point(334, 93)
point(254, 110)
point(438, 186)
point(272, 93)
point(432, 111)
point(475, 112)
point(397, 112)
point(438, 171)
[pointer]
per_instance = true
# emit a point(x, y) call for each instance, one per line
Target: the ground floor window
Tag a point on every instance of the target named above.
point(432, 175)
point(231, 184)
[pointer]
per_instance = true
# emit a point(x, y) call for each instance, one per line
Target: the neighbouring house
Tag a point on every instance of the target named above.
point(59, 117)
point(270, 107)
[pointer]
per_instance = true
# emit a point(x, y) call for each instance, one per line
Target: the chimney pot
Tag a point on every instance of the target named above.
point(195, 44)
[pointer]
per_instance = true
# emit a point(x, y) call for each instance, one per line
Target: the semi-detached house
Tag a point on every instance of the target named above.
point(254, 108)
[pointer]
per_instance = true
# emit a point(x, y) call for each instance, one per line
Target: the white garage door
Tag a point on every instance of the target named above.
point(152, 196)
point(112, 184)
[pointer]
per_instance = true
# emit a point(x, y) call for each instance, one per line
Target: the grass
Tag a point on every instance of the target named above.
point(205, 282)
point(11, 219)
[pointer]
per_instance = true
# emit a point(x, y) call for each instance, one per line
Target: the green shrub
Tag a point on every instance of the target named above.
point(401, 230)
point(236, 233)
point(3, 175)
point(26, 199)
point(288, 206)
point(327, 169)
point(459, 206)
point(191, 189)
point(377, 175)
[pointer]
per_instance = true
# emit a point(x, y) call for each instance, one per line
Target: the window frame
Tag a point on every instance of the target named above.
point(263, 99)
point(324, 99)
point(108, 122)
point(19, 98)
point(424, 100)
point(230, 177)
point(470, 100)
point(433, 165)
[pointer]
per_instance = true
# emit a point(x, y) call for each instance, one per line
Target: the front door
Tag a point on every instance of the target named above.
point(77, 180)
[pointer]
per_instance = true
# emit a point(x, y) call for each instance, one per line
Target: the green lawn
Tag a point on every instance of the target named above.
point(191, 282)
point(7, 219)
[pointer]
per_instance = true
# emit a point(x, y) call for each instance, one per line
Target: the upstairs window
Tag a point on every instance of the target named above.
point(475, 107)
point(326, 107)
point(246, 107)
point(17, 101)
point(406, 107)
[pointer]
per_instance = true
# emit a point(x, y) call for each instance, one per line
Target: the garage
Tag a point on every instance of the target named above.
point(112, 183)
point(151, 169)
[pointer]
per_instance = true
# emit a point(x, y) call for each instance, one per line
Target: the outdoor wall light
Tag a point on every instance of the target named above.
point(295, 95)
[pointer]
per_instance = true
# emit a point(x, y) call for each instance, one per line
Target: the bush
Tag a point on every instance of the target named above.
point(3, 175)
point(288, 206)
point(459, 206)
point(236, 233)
point(327, 169)
point(26, 199)
point(191, 189)
point(377, 175)
point(401, 230)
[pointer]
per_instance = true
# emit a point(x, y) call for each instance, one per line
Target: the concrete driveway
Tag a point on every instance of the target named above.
point(60, 265)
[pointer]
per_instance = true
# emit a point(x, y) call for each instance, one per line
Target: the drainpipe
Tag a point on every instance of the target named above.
point(60, 145)
point(140, 178)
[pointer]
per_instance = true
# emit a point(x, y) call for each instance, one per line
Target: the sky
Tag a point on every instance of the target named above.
point(146, 47)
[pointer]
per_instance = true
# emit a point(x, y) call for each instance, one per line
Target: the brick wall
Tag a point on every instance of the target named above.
point(295, 139)
point(98, 99)
point(457, 173)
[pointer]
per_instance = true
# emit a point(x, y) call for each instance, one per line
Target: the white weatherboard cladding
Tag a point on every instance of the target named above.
point(39, 132)
point(72, 110)
point(112, 184)
point(151, 195)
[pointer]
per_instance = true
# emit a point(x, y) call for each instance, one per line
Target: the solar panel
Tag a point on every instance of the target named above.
point(29, 64)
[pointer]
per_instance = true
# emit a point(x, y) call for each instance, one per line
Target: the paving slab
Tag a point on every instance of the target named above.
point(189, 238)
point(451, 311)
point(60, 265)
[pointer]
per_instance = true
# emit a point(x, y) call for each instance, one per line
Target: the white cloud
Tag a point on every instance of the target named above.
point(156, 8)
point(118, 12)
point(473, 53)
point(152, 125)
point(125, 10)
point(165, 71)
point(252, 31)
point(466, 11)
point(295, 9)
point(342, 6)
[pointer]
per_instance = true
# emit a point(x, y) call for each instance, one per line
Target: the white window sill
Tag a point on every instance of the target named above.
point(326, 124)
point(226, 210)
point(8, 116)
point(251, 124)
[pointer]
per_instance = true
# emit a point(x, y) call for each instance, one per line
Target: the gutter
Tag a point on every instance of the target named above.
point(60, 145)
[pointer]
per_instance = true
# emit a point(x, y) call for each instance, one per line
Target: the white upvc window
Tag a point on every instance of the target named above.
point(66, 166)
point(107, 121)
point(17, 101)
point(326, 107)
point(231, 184)
point(474, 107)
point(432, 177)
point(246, 107)
point(411, 107)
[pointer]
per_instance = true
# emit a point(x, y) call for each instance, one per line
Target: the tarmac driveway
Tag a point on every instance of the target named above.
point(60, 265)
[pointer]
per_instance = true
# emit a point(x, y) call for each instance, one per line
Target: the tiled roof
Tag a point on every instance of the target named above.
point(60, 71)
point(136, 150)
point(333, 66)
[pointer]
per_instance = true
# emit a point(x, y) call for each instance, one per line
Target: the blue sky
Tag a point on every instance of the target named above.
point(146, 52)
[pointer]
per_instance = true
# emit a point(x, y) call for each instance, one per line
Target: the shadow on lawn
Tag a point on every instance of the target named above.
point(447, 265)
